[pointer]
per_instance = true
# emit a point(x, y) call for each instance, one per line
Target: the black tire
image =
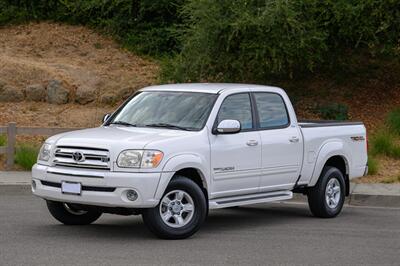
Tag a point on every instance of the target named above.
point(65, 214)
point(317, 195)
point(154, 222)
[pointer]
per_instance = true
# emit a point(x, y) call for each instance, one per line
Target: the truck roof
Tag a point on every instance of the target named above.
point(213, 88)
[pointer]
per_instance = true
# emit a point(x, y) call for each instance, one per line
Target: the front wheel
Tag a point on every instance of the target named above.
point(69, 214)
point(326, 199)
point(181, 210)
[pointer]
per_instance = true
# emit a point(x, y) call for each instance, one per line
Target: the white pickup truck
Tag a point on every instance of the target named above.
point(172, 152)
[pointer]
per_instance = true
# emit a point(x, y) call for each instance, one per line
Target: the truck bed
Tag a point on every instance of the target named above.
point(323, 137)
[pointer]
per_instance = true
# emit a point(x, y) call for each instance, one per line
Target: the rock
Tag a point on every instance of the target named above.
point(10, 94)
point(108, 98)
point(56, 92)
point(36, 93)
point(84, 95)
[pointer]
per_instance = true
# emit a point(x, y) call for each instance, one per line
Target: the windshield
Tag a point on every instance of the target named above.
point(178, 110)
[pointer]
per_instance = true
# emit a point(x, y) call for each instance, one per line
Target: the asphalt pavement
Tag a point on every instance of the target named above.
point(278, 233)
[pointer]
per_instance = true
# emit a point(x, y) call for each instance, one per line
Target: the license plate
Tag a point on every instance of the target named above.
point(71, 188)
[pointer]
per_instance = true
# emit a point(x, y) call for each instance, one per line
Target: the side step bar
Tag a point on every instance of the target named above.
point(250, 199)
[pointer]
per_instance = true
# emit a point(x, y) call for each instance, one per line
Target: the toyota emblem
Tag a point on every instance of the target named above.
point(78, 156)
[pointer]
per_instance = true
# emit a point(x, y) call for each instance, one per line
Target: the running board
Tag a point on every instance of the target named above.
point(250, 199)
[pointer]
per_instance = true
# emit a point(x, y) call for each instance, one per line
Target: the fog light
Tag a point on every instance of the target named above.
point(33, 185)
point(132, 195)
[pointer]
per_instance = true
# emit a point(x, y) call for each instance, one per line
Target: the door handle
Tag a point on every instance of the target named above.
point(252, 142)
point(294, 139)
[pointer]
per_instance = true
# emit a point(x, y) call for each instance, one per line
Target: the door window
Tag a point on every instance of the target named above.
point(271, 109)
point(237, 107)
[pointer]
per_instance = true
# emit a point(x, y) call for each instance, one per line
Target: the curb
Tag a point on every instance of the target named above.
point(374, 200)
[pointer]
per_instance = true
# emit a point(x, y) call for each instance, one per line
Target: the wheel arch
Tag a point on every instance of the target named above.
point(340, 163)
point(187, 165)
point(332, 154)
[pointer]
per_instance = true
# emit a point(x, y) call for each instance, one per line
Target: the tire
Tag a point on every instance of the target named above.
point(68, 215)
point(175, 204)
point(326, 199)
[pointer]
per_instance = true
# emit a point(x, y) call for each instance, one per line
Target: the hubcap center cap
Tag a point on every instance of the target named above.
point(176, 208)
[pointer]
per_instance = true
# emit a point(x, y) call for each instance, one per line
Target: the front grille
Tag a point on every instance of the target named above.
point(84, 188)
point(93, 158)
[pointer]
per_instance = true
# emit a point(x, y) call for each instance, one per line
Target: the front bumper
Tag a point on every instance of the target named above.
point(99, 188)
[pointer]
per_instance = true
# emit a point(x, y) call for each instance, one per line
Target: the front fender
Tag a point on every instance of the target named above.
point(177, 163)
point(328, 150)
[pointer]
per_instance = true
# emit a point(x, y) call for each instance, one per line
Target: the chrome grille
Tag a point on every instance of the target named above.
point(93, 158)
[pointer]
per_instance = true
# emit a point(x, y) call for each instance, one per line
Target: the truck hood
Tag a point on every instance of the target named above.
point(118, 137)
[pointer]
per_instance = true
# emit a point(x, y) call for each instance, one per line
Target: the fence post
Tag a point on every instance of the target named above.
point(11, 134)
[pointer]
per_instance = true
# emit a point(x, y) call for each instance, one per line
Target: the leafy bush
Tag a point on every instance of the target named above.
point(334, 111)
point(373, 166)
point(255, 41)
point(393, 121)
point(26, 156)
point(242, 40)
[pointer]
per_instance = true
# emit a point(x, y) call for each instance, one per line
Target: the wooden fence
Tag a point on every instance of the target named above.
point(11, 130)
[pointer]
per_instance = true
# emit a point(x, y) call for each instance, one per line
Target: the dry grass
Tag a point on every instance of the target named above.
point(37, 52)
point(389, 172)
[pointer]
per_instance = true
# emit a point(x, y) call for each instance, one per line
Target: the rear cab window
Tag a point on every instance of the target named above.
point(271, 109)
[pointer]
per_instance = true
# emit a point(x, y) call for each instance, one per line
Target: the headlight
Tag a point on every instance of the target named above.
point(44, 153)
point(139, 158)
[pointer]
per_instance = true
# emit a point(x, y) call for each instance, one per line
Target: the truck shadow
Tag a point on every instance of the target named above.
point(114, 228)
point(257, 215)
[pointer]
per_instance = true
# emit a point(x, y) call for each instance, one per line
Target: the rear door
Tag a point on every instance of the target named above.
point(236, 158)
point(281, 142)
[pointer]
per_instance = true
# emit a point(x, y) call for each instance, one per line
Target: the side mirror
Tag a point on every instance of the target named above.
point(228, 127)
point(106, 117)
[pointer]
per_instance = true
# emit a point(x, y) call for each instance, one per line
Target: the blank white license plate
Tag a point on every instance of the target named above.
point(71, 188)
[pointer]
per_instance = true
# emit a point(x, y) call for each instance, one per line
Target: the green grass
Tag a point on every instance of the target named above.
point(382, 143)
point(373, 166)
point(3, 140)
point(393, 121)
point(26, 155)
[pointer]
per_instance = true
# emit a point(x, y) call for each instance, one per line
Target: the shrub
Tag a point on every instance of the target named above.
point(26, 156)
point(334, 111)
point(255, 41)
point(382, 143)
point(373, 166)
point(3, 140)
point(393, 121)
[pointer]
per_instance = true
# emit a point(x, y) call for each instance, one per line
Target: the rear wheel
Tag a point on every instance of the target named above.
point(69, 214)
point(326, 199)
point(181, 210)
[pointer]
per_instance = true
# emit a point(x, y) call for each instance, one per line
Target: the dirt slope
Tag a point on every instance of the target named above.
point(38, 52)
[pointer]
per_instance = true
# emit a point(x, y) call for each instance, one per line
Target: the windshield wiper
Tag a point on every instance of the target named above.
point(122, 123)
point(166, 125)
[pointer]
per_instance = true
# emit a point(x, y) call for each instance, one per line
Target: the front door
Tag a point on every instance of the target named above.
point(236, 158)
